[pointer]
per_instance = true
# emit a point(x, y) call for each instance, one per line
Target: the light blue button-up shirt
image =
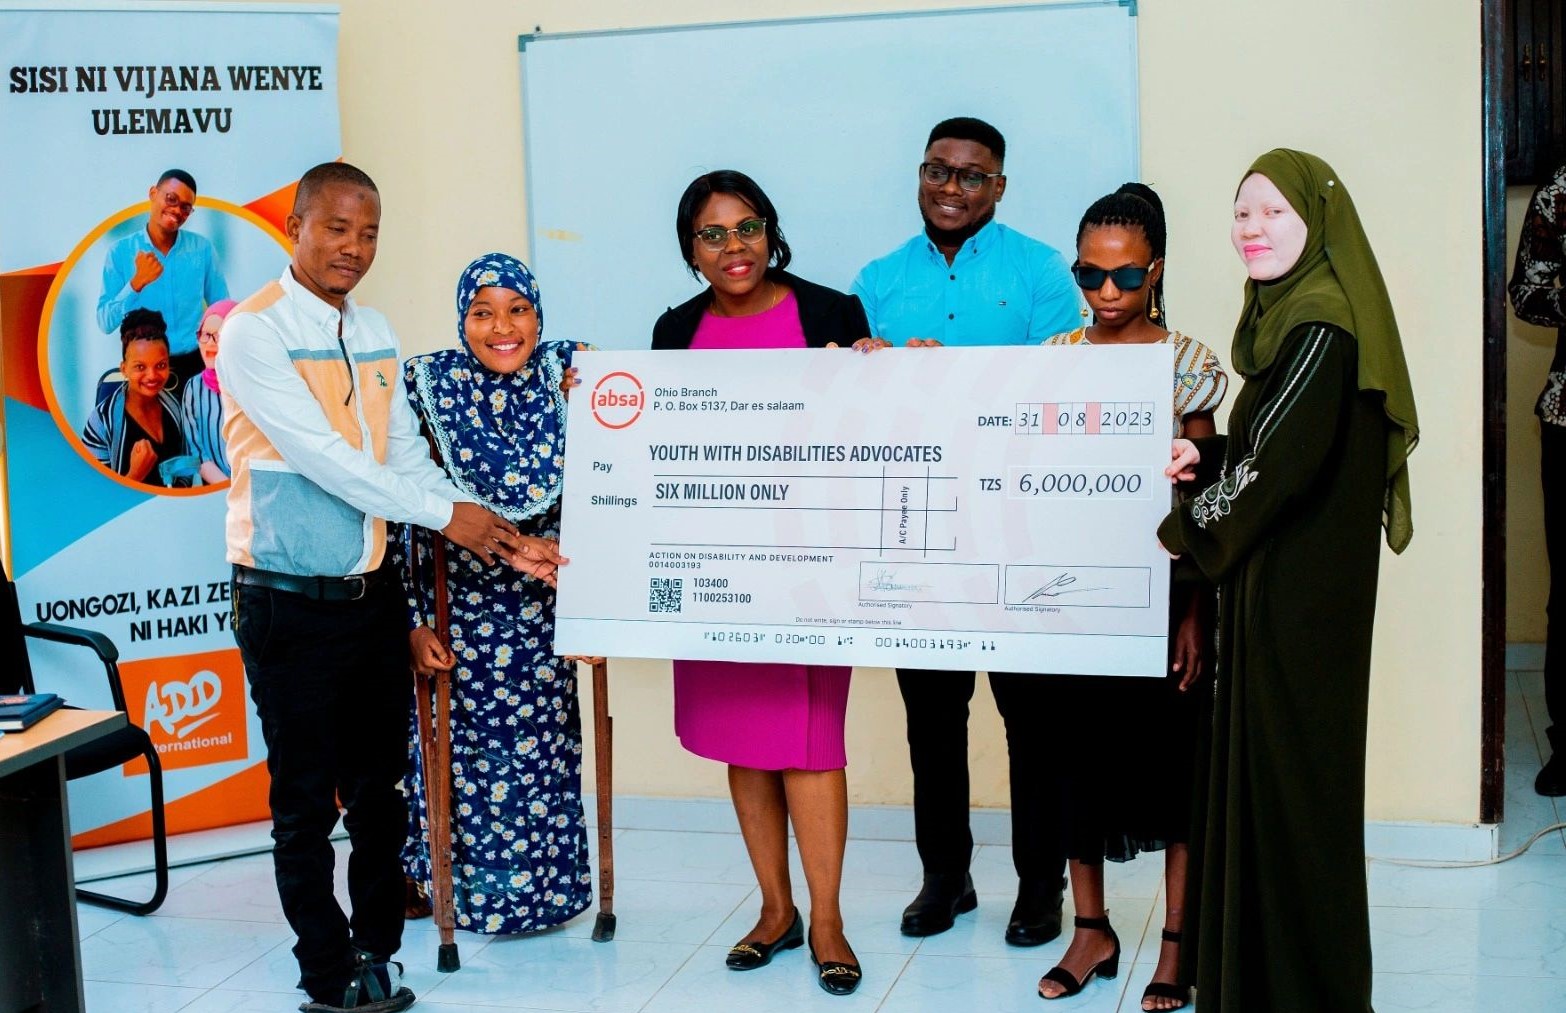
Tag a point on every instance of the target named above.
point(1002, 288)
point(189, 283)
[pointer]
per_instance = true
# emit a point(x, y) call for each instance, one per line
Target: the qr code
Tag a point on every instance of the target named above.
point(664, 594)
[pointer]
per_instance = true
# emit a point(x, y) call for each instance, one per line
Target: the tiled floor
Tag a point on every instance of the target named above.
point(1490, 939)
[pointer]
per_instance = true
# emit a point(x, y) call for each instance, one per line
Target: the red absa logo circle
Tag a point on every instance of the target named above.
point(618, 400)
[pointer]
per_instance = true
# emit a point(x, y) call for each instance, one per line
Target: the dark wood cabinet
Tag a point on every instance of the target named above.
point(1534, 88)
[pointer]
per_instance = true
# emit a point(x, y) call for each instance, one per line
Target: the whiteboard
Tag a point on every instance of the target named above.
point(829, 116)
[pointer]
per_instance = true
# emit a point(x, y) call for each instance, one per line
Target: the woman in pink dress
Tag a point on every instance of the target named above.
point(778, 727)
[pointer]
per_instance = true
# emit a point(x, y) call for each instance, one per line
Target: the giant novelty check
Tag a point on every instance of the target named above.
point(981, 508)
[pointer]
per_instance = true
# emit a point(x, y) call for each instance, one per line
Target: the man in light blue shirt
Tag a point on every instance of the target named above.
point(165, 268)
point(969, 280)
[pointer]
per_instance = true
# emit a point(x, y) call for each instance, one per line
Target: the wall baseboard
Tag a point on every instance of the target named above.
point(1432, 842)
point(1522, 657)
point(1445, 842)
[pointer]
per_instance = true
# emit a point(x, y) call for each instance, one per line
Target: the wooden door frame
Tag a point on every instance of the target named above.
point(1492, 784)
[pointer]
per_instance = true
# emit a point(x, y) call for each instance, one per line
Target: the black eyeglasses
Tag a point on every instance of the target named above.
point(172, 201)
point(750, 232)
point(1126, 279)
point(936, 174)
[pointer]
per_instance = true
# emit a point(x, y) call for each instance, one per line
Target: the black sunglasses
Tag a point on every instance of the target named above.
point(1126, 279)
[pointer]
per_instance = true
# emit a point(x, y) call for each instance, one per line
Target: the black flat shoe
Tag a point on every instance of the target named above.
point(1551, 781)
point(1108, 968)
point(1035, 920)
point(836, 977)
point(749, 956)
point(940, 901)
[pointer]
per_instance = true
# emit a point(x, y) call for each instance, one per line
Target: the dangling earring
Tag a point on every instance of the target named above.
point(1084, 314)
point(1152, 314)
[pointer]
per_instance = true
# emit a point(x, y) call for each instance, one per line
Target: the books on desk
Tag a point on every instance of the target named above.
point(22, 710)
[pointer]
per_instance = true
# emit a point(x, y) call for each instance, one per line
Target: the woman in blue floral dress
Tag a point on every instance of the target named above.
point(496, 409)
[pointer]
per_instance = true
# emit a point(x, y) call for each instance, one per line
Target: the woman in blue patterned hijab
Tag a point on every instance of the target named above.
point(495, 405)
point(496, 409)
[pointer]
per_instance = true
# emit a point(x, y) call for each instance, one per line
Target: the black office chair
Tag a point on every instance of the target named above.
point(111, 381)
point(110, 751)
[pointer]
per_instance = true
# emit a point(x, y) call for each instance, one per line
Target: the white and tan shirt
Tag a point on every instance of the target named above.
point(323, 445)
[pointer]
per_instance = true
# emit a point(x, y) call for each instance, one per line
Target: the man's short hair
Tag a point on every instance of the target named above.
point(179, 174)
point(323, 176)
point(967, 128)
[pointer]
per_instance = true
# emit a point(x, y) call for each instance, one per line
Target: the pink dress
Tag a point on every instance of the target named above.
point(769, 717)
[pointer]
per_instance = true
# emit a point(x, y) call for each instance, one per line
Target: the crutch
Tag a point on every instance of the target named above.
point(603, 755)
point(435, 748)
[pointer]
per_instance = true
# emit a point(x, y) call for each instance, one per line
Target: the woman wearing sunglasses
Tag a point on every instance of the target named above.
point(778, 727)
point(1133, 743)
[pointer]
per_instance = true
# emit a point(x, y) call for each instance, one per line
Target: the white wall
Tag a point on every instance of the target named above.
point(1388, 92)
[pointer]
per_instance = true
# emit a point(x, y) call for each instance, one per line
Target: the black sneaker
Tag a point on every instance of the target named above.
point(1552, 778)
point(376, 987)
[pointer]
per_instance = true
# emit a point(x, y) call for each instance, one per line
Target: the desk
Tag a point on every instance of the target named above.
point(40, 954)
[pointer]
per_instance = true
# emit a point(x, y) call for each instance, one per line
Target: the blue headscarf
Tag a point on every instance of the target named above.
point(502, 435)
point(496, 270)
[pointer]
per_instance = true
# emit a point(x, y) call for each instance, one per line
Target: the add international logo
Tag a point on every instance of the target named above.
point(618, 400)
point(192, 705)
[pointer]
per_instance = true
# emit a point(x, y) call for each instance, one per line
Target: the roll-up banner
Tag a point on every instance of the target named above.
point(151, 152)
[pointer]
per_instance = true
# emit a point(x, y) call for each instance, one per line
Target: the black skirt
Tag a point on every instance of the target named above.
point(1130, 751)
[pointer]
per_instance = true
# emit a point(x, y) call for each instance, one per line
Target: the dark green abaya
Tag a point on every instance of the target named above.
point(1312, 469)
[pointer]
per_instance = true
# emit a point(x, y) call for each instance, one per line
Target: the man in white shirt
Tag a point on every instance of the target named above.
point(325, 450)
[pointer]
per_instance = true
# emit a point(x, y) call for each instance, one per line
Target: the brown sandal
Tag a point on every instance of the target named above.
point(414, 904)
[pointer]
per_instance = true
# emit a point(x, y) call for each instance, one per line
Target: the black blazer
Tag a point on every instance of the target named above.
point(825, 314)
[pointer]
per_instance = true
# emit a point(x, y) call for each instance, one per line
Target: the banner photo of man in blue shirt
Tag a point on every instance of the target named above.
point(969, 280)
point(167, 268)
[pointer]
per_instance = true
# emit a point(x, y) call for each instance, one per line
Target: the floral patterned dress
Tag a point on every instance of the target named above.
point(520, 860)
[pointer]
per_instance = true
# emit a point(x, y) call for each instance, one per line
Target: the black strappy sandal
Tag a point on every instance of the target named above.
point(374, 988)
point(1165, 990)
point(1108, 968)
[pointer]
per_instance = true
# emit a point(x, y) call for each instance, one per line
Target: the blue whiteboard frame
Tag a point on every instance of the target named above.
point(617, 122)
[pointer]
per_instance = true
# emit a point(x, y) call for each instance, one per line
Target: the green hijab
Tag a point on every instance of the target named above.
point(1336, 281)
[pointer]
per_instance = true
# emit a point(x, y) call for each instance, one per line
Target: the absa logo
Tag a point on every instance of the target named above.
point(618, 400)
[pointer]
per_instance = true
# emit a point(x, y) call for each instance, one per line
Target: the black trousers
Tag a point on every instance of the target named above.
point(332, 685)
point(937, 705)
point(1552, 440)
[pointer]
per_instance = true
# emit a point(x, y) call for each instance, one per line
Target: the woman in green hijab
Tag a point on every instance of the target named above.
point(1289, 525)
